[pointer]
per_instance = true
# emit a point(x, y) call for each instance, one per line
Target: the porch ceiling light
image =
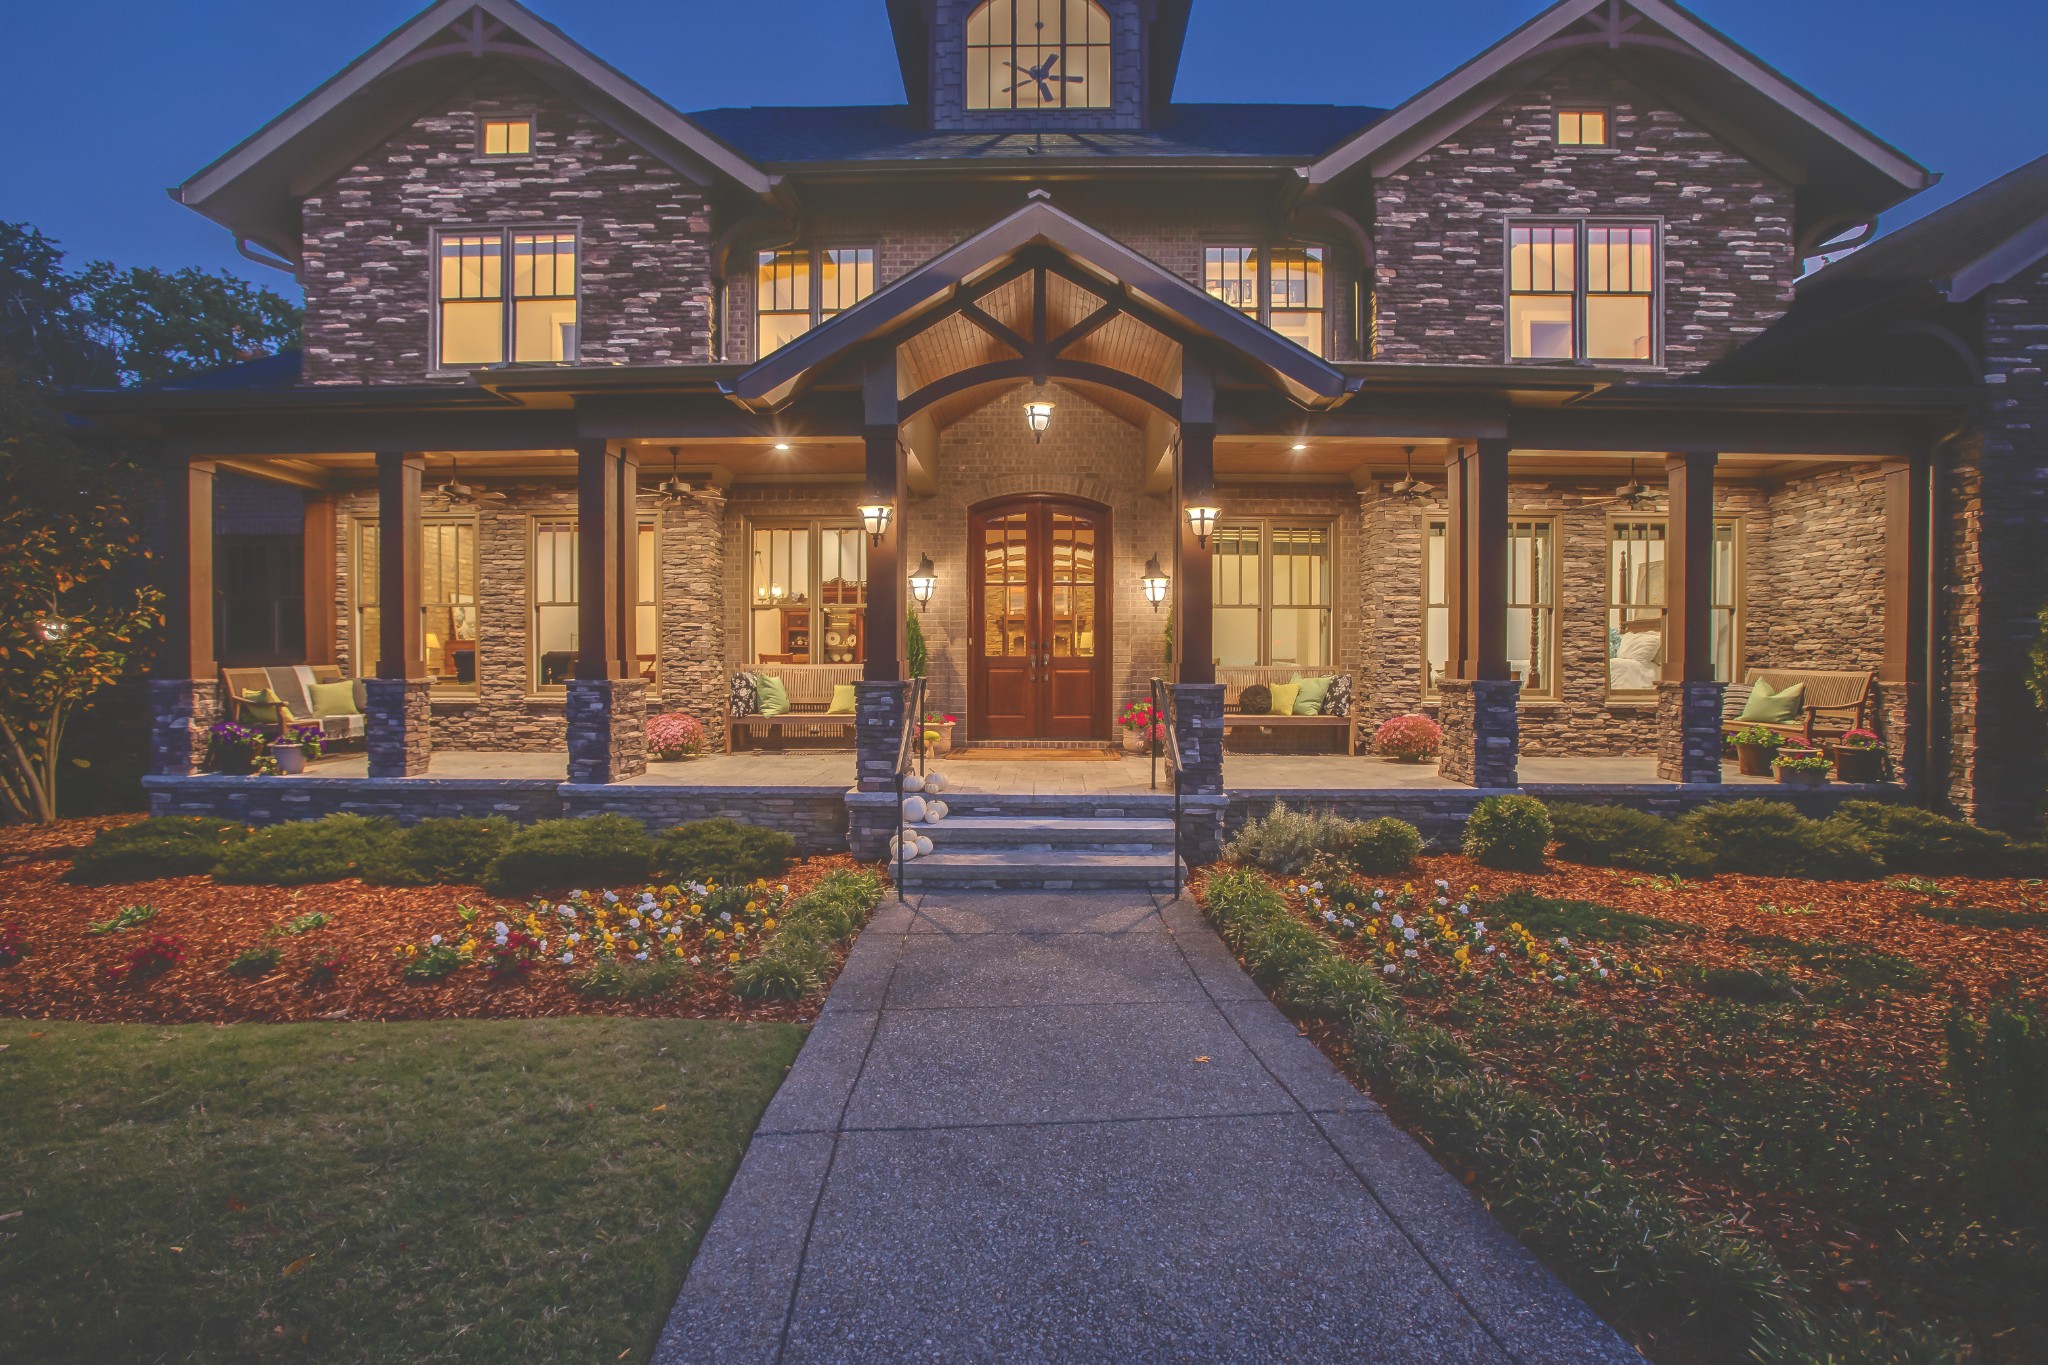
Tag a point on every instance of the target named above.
point(1202, 520)
point(924, 582)
point(874, 517)
point(1155, 582)
point(1038, 416)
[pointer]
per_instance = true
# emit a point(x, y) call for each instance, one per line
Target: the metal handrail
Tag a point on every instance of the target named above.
point(909, 742)
point(1168, 746)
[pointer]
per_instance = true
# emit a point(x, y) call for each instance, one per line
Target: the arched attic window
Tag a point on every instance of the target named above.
point(1038, 54)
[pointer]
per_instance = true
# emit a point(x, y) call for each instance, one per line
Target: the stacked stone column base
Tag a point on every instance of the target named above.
point(1482, 734)
point(878, 709)
point(180, 711)
point(1689, 731)
point(398, 726)
point(1198, 730)
point(607, 729)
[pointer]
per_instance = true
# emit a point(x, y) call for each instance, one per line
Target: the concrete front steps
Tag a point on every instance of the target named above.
point(1064, 843)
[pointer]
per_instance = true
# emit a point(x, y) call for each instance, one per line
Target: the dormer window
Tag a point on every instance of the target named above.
point(507, 137)
point(1038, 54)
point(1582, 128)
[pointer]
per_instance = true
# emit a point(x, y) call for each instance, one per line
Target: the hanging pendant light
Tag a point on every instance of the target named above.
point(1038, 416)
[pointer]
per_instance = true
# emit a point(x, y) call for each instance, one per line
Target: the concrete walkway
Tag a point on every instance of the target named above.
point(1038, 1128)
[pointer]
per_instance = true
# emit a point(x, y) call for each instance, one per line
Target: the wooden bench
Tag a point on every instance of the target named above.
point(1277, 734)
point(290, 683)
point(1836, 702)
point(805, 725)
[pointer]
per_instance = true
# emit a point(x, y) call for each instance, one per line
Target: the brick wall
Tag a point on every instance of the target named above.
point(644, 268)
point(1729, 255)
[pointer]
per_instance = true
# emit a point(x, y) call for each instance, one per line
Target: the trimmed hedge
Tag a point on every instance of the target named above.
point(721, 852)
point(1914, 839)
point(1286, 841)
point(792, 963)
point(1385, 846)
point(598, 850)
point(164, 846)
point(1511, 832)
point(331, 849)
point(1621, 836)
point(1770, 839)
point(439, 852)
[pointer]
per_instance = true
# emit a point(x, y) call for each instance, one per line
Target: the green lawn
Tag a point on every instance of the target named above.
point(507, 1190)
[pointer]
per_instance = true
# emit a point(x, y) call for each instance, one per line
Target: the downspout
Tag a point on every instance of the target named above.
point(249, 252)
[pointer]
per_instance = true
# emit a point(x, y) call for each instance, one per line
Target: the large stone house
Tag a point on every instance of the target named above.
point(1503, 405)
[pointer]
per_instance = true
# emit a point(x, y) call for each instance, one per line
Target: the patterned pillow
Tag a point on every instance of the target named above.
point(746, 698)
point(1337, 701)
point(1256, 700)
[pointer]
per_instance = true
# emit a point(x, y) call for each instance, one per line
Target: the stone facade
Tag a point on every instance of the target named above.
point(1480, 740)
point(1729, 256)
point(1689, 731)
point(1198, 734)
point(643, 232)
point(607, 724)
point(180, 711)
point(399, 726)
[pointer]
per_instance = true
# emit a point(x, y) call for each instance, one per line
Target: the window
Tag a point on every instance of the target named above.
point(448, 601)
point(786, 305)
point(810, 593)
point(508, 137)
point(647, 605)
point(1637, 604)
point(1038, 54)
point(1582, 127)
point(1292, 301)
point(476, 326)
point(1533, 587)
point(260, 609)
point(554, 573)
point(1582, 291)
point(1272, 594)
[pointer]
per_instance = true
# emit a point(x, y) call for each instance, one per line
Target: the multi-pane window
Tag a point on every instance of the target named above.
point(1638, 604)
point(507, 136)
point(787, 306)
point(1271, 591)
point(1579, 291)
point(554, 578)
point(809, 593)
point(1291, 302)
point(476, 326)
point(647, 604)
point(448, 601)
point(260, 609)
point(1038, 54)
point(1582, 127)
point(1533, 588)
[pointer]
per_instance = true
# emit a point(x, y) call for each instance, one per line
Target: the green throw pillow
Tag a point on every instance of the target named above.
point(1309, 700)
point(333, 699)
point(263, 707)
point(774, 696)
point(1766, 707)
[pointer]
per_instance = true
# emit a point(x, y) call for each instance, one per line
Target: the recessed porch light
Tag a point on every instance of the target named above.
point(1300, 446)
point(782, 446)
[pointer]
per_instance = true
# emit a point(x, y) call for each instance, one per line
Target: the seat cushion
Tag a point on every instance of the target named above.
point(1766, 707)
point(1283, 698)
point(842, 700)
point(774, 696)
point(1308, 698)
point(333, 699)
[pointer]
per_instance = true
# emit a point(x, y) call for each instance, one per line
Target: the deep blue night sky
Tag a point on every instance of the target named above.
point(108, 102)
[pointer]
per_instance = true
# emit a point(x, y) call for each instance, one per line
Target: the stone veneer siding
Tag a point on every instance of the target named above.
point(1729, 256)
point(643, 232)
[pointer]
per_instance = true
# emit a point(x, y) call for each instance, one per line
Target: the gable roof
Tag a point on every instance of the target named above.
point(1711, 79)
point(1303, 376)
point(254, 189)
point(897, 132)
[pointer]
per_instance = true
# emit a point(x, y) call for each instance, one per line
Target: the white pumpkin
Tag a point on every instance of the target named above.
point(912, 782)
point(924, 846)
point(935, 811)
point(914, 809)
point(934, 781)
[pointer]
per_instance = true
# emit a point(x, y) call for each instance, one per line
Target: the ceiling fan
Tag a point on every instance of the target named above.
point(463, 494)
point(1043, 76)
point(675, 490)
point(1631, 494)
point(1408, 486)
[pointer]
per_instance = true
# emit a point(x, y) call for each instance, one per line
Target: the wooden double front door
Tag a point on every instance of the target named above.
point(1038, 637)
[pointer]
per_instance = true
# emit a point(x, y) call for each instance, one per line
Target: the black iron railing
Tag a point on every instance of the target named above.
point(1166, 744)
point(909, 749)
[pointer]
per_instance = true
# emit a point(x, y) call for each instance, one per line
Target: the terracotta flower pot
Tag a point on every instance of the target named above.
point(1859, 765)
point(1754, 760)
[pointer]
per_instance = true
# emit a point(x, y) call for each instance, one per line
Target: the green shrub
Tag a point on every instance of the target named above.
point(629, 980)
point(1385, 846)
point(724, 852)
point(1282, 842)
point(326, 850)
point(166, 846)
point(787, 970)
point(1621, 836)
point(1914, 839)
point(598, 850)
point(251, 963)
point(1508, 832)
point(1756, 986)
point(1999, 1069)
point(448, 851)
point(1770, 839)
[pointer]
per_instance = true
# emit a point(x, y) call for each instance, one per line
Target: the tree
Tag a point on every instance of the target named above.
point(45, 338)
point(167, 326)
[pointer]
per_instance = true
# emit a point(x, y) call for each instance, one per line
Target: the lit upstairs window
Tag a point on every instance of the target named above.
point(508, 136)
point(1582, 128)
point(1038, 54)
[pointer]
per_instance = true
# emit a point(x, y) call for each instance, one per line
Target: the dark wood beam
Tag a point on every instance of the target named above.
point(322, 573)
point(1457, 600)
point(627, 612)
point(1689, 569)
point(996, 330)
point(886, 480)
point(1086, 327)
point(1195, 480)
point(188, 650)
point(599, 529)
point(401, 645)
point(1908, 605)
point(1486, 561)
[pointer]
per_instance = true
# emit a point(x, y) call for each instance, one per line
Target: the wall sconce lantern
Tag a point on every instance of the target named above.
point(53, 630)
point(1155, 582)
point(924, 582)
point(1038, 416)
point(1202, 520)
point(874, 517)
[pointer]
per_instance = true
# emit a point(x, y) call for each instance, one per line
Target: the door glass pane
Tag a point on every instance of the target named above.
point(1073, 587)
point(1005, 588)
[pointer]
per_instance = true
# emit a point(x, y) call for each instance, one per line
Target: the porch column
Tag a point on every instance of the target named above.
point(1904, 714)
point(1194, 639)
point(400, 720)
point(322, 570)
point(1479, 694)
point(882, 697)
point(607, 705)
point(1688, 697)
point(184, 686)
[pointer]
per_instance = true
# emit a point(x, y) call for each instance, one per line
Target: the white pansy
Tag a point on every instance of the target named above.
point(1400, 923)
point(568, 958)
point(1408, 934)
point(435, 940)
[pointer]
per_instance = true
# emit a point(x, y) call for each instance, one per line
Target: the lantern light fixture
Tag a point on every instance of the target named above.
point(924, 582)
point(53, 630)
point(874, 517)
point(1155, 582)
point(1038, 416)
point(1202, 520)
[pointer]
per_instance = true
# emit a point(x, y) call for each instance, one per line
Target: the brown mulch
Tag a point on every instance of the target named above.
point(62, 976)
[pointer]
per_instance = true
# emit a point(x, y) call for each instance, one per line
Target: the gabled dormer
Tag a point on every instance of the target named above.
point(1070, 65)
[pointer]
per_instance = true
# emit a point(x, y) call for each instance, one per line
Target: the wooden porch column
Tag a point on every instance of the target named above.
point(1458, 496)
point(1486, 562)
point(606, 705)
point(1478, 694)
point(183, 695)
point(599, 534)
point(1688, 699)
point(401, 643)
point(321, 570)
point(1902, 674)
point(1194, 586)
point(887, 481)
point(627, 614)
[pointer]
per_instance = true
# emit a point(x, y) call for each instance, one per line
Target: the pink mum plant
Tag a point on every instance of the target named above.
point(673, 735)
point(1409, 738)
point(1860, 739)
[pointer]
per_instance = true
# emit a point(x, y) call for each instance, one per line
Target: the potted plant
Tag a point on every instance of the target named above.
point(1143, 727)
point(1859, 757)
point(1408, 739)
point(1803, 769)
point(1754, 750)
point(672, 737)
point(938, 732)
point(232, 749)
point(290, 753)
